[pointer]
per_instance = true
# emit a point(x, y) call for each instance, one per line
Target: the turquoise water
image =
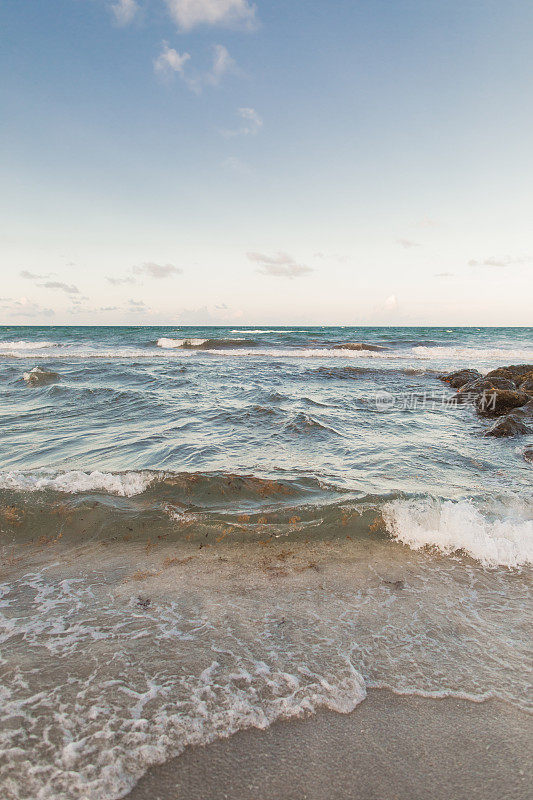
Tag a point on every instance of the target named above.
point(257, 400)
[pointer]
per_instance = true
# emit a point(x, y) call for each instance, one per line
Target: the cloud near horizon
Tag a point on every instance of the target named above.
point(391, 303)
point(68, 288)
point(503, 261)
point(280, 266)
point(120, 281)
point(33, 276)
point(227, 13)
point(157, 270)
point(25, 308)
point(150, 269)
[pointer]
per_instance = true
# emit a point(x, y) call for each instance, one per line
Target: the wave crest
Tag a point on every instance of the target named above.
point(460, 526)
point(203, 344)
point(125, 484)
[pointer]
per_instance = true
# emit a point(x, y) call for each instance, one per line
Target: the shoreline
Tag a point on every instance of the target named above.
point(391, 747)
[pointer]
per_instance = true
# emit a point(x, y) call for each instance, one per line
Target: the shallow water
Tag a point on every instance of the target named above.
point(205, 529)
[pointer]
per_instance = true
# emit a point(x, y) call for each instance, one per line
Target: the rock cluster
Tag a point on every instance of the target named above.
point(505, 393)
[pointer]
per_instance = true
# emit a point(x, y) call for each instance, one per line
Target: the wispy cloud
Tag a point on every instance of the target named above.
point(149, 269)
point(279, 266)
point(121, 281)
point(157, 270)
point(251, 123)
point(228, 13)
point(443, 275)
point(223, 64)
point(33, 276)
point(124, 11)
point(137, 307)
point(407, 243)
point(503, 261)
point(68, 288)
point(169, 61)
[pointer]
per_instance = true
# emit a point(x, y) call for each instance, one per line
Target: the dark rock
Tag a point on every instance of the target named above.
point(514, 372)
point(499, 401)
point(487, 385)
point(509, 426)
point(458, 379)
point(526, 386)
point(525, 412)
point(481, 387)
point(528, 454)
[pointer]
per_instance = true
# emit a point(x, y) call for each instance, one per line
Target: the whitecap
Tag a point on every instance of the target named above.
point(505, 539)
point(168, 343)
point(124, 484)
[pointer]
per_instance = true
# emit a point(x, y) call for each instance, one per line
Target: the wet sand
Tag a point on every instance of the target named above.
point(390, 748)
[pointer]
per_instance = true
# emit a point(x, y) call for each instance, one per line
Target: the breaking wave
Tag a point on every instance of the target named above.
point(460, 526)
point(203, 344)
point(21, 345)
point(124, 484)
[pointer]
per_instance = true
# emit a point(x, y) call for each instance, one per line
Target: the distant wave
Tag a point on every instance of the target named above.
point(460, 526)
point(204, 344)
point(22, 345)
point(466, 354)
point(260, 330)
point(375, 348)
point(463, 355)
point(243, 347)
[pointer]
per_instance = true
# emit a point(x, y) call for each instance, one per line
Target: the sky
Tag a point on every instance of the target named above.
point(357, 162)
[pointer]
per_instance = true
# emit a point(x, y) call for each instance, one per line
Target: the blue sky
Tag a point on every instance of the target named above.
point(220, 161)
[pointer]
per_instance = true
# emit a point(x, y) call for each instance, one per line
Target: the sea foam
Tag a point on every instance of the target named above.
point(6, 348)
point(460, 526)
point(169, 344)
point(124, 484)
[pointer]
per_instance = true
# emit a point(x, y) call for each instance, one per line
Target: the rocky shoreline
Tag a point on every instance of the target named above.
point(504, 394)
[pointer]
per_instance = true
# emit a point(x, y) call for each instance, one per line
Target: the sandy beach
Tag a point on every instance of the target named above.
point(391, 747)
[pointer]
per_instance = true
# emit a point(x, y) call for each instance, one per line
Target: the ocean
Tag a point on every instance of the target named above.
point(206, 529)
